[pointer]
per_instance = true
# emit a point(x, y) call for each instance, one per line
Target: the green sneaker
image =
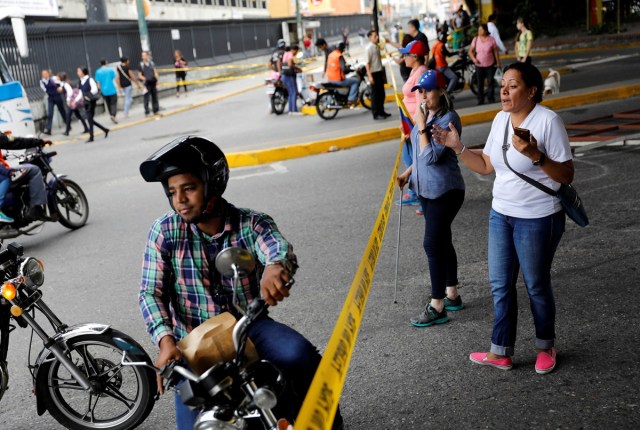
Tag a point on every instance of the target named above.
point(429, 317)
point(5, 219)
point(453, 304)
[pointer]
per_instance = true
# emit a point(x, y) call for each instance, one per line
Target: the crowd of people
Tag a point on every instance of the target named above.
point(79, 98)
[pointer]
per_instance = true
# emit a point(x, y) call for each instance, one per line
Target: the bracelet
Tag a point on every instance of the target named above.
point(464, 148)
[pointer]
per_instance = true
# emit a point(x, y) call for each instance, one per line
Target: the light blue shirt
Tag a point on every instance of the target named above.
point(105, 76)
point(435, 169)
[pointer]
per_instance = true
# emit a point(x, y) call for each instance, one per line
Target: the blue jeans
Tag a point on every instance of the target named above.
point(128, 98)
point(290, 352)
point(292, 89)
point(451, 78)
point(527, 244)
point(353, 85)
point(5, 182)
point(407, 159)
point(438, 244)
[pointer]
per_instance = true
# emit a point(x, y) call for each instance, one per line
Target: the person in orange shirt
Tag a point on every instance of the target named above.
point(439, 54)
point(337, 69)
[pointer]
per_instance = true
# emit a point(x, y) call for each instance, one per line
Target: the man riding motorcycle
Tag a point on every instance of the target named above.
point(337, 69)
point(275, 63)
point(31, 173)
point(180, 287)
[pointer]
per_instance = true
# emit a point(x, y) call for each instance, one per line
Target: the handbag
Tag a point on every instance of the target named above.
point(569, 198)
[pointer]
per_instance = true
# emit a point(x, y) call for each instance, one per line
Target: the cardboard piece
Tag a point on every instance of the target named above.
point(211, 343)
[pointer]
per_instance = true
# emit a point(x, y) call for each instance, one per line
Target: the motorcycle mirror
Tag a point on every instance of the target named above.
point(235, 261)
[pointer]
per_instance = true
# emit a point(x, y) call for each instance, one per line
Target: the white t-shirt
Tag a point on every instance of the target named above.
point(513, 196)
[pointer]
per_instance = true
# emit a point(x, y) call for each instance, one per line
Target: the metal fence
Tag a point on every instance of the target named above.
point(64, 47)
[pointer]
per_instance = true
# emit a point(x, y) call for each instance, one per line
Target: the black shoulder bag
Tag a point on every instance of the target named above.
point(569, 198)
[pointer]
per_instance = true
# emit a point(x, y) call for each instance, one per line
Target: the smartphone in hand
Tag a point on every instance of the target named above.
point(522, 133)
point(423, 108)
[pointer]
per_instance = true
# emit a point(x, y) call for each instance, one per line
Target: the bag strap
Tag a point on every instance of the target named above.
point(530, 181)
point(123, 73)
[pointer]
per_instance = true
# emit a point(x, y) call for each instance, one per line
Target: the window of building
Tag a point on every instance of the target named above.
point(264, 4)
point(208, 2)
point(195, 1)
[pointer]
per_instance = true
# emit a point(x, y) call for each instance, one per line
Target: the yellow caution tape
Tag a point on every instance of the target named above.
point(320, 404)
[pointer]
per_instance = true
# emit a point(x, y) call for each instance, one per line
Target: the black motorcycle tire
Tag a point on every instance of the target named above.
point(365, 97)
point(71, 199)
point(82, 352)
point(279, 101)
point(324, 100)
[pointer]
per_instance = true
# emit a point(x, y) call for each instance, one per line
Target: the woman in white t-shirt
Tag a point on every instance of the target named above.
point(525, 224)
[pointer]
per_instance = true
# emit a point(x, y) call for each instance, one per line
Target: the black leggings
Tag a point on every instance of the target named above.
point(443, 262)
point(181, 76)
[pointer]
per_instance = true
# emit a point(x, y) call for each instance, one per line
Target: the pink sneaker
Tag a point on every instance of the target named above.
point(481, 358)
point(546, 361)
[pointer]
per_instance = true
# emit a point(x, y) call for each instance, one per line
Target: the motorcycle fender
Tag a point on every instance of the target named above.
point(62, 338)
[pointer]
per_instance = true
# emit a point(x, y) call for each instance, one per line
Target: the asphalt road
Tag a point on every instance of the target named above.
point(400, 376)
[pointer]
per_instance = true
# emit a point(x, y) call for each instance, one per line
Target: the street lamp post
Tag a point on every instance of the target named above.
point(142, 27)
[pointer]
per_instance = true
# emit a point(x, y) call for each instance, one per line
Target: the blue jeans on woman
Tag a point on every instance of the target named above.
point(527, 244)
point(443, 261)
point(5, 183)
point(290, 352)
point(292, 89)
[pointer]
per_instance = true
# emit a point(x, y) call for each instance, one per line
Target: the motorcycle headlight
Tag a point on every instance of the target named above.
point(265, 398)
point(32, 270)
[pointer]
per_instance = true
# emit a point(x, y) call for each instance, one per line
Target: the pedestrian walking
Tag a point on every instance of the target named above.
point(289, 71)
point(437, 180)
point(51, 87)
point(414, 55)
point(495, 33)
point(524, 41)
point(345, 39)
point(75, 103)
point(125, 81)
point(91, 93)
point(484, 54)
point(525, 223)
point(148, 74)
point(181, 75)
point(376, 76)
point(106, 79)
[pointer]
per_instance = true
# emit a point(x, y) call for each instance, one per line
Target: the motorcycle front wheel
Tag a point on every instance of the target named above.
point(279, 101)
point(365, 97)
point(123, 396)
point(71, 204)
point(326, 105)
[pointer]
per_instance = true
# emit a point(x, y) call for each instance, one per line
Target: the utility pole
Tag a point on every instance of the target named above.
point(142, 27)
point(376, 27)
point(96, 11)
point(298, 21)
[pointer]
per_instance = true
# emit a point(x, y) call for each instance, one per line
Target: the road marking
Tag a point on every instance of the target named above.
point(604, 60)
point(274, 169)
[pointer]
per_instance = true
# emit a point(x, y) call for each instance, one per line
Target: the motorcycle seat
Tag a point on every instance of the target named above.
point(334, 85)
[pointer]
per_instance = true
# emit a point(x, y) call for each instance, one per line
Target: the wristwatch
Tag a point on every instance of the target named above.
point(540, 161)
point(423, 131)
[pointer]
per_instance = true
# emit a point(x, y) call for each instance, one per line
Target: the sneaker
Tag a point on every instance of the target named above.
point(546, 361)
point(453, 304)
point(419, 212)
point(481, 359)
point(429, 317)
point(410, 200)
point(6, 219)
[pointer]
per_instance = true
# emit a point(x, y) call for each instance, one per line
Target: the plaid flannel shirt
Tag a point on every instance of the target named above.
point(177, 292)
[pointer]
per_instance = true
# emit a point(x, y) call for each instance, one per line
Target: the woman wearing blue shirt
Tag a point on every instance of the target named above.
point(437, 180)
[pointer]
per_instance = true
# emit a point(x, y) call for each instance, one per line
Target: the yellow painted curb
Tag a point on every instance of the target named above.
point(266, 156)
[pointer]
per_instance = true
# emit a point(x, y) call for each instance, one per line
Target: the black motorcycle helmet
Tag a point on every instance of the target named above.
point(189, 154)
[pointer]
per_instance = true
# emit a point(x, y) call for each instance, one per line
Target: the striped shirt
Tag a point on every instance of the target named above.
point(180, 288)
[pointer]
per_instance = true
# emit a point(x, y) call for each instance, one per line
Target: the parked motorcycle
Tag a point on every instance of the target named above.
point(233, 395)
point(78, 376)
point(67, 203)
point(464, 68)
point(331, 98)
